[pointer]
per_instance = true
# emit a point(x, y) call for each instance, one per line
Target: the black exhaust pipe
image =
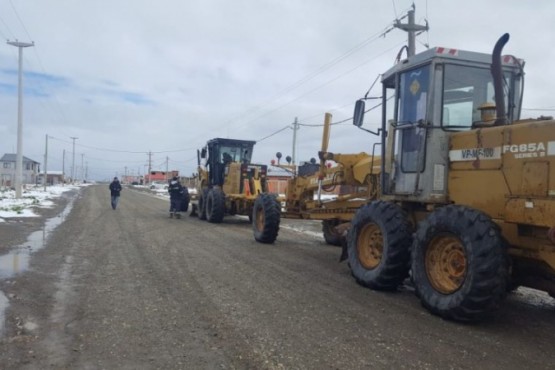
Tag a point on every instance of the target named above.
point(497, 74)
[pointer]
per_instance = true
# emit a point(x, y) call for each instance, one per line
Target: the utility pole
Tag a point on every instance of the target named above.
point(411, 28)
point(19, 155)
point(295, 128)
point(125, 175)
point(167, 165)
point(86, 170)
point(45, 162)
point(82, 169)
point(73, 161)
point(149, 166)
point(64, 167)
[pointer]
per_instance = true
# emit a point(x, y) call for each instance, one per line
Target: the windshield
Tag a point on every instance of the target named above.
point(466, 89)
point(235, 154)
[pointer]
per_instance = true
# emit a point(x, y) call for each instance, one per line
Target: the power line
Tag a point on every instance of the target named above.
point(8, 28)
point(311, 75)
point(394, 9)
point(124, 151)
point(323, 85)
point(20, 21)
point(56, 100)
point(275, 133)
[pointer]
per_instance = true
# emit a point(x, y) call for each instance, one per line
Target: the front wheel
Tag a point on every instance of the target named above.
point(459, 264)
point(215, 205)
point(378, 245)
point(266, 216)
point(331, 236)
point(202, 204)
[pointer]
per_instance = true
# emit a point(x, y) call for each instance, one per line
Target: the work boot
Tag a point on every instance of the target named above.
point(171, 214)
point(178, 215)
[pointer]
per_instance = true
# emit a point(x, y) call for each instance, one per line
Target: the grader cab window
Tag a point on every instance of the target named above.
point(234, 154)
point(465, 89)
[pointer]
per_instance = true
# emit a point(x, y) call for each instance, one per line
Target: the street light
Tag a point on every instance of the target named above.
point(19, 155)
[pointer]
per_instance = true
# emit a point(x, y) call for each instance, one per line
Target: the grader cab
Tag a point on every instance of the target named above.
point(467, 198)
point(228, 182)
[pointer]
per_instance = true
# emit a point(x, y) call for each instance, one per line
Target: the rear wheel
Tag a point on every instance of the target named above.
point(202, 204)
point(459, 264)
point(266, 216)
point(331, 236)
point(215, 205)
point(379, 245)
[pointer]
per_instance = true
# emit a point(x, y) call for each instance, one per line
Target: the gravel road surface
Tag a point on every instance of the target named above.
point(134, 289)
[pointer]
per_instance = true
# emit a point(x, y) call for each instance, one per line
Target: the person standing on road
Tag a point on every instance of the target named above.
point(176, 194)
point(115, 188)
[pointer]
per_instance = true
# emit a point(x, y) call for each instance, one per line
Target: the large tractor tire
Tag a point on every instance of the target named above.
point(185, 200)
point(379, 244)
point(266, 215)
point(331, 236)
point(460, 264)
point(202, 204)
point(215, 206)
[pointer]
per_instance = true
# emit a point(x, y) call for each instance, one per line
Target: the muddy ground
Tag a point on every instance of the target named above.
point(133, 289)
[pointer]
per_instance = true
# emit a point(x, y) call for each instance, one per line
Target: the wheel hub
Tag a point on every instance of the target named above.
point(446, 263)
point(370, 246)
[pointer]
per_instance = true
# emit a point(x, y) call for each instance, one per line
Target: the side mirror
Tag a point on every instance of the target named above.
point(203, 153)
point(358, 116)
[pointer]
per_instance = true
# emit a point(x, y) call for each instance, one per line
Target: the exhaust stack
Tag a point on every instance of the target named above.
point(497, 74)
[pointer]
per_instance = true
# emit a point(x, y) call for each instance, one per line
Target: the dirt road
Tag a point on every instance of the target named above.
point(133, 289)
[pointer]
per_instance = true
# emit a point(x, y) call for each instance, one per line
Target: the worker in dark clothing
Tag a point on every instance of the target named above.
point(115, 189)
point(176, 194)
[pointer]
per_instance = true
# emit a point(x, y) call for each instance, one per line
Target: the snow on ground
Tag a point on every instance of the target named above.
point(31, 198)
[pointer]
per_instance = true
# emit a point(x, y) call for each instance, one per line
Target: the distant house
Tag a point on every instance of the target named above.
point(160, 176)
point(277, 178)
point(52, 178)
point(7, 170)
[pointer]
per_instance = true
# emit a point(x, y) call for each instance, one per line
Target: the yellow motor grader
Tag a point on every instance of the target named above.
point(228, 183)
point(303, 196)
point(466, 200)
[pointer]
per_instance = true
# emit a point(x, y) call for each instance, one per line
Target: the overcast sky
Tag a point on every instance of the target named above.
point(128, 77)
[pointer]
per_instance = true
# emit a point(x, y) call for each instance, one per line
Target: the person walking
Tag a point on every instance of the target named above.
point(176, 194)
point(115, 189)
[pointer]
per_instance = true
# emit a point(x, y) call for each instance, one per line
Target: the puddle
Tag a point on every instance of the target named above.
point(17, 260)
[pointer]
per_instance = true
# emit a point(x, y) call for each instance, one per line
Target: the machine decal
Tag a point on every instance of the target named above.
point(526, 150)
point(472, 154)
point(518, 151)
